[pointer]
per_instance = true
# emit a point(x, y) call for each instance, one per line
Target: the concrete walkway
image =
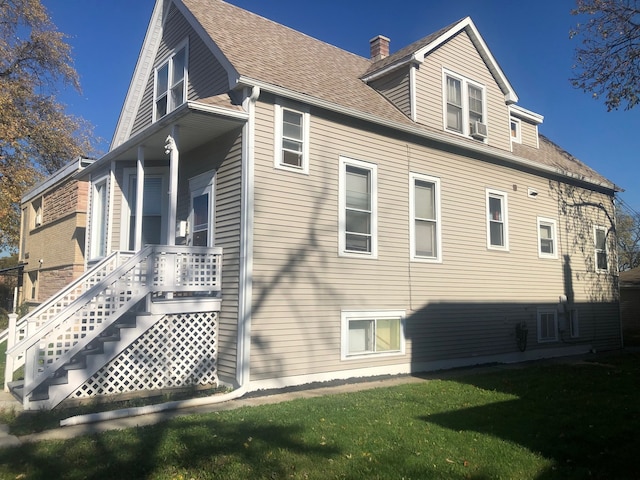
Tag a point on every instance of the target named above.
point(256, 399)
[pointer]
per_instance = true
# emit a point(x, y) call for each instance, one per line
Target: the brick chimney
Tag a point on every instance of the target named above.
point(379, 47)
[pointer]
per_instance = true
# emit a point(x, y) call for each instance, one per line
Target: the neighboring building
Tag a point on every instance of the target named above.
point(54, 217)
point(328, 216)
point(630, 306)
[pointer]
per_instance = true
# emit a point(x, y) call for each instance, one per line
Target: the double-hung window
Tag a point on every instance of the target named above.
point(372, 333)
point(170, 85)
point(547, 325)
point(547, 243)
point(497, 227)
point(425, 218)
point(600, 254)
point(291, 138)
point(465, 106)
point(358, 208)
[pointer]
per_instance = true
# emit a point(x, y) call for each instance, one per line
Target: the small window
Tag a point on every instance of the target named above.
point(547, 243)
point(497, 228)
point(425, 218)
point(37, 213)
point(547, 325)
point(600, 234)
point(372, 334)
point(33, 286)
point(465, 105)
point(170, 84)
point(358, 208)
point(24, 232)
point(516, 133)
point(291, 138)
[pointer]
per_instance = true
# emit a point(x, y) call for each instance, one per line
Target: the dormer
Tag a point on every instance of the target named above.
point(450, 81)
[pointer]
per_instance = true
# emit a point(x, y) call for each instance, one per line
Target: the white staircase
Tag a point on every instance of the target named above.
point(92, 321)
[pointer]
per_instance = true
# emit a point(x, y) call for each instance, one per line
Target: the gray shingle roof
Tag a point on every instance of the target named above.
point(266, 51)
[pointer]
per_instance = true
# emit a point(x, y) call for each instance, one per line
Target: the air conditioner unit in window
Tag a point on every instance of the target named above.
point(479, 130)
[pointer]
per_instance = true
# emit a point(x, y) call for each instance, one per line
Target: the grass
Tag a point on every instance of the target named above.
point(543, 422)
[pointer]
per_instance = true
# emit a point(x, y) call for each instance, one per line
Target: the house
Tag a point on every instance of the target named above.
point(630, 306)
point(53, 233)
point(317, 215)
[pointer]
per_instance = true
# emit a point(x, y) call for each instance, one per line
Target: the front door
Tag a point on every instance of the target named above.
point(154, 208)
point(201, 216)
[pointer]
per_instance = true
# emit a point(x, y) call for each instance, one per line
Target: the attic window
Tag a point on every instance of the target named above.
point(465, 106)
point(170, 83)
point(516, 132)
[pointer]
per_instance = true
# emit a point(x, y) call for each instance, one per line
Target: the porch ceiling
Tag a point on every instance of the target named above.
point(198, 124)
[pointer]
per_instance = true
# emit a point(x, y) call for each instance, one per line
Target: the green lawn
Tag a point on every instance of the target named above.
point(540, 422)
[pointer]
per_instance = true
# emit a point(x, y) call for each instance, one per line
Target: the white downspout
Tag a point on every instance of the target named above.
point(244, 300)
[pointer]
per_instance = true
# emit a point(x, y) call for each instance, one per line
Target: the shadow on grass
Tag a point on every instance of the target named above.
point(226, 449)
point(587, 423)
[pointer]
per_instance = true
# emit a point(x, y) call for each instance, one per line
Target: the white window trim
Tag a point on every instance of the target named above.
point(342, 220)
point(169, 61)
point(200, 184)
point(597, 250)
point(540, 312)
point(518, 137)
point(412, 224)
point(348, 315)
point(554, 236)
point(505, 214)
point(279, 106)
point(103, 180)
point(464, 83)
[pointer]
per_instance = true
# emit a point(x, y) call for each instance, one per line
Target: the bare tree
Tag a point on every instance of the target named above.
point(628, 237)
point(608, 60)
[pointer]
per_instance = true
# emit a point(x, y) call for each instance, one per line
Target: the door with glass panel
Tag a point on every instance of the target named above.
point(154, 210)
point(201, 216)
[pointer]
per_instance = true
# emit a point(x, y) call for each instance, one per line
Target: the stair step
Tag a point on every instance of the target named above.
point(75, 365)
point(114, 337)
point(17, 389)
point(37, 397)
point(59, 379)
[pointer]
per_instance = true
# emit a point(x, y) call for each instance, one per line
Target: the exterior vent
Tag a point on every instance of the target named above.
point(479, 130)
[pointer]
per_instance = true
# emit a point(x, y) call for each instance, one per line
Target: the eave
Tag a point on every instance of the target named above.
point(199, 123)
point(443, 138)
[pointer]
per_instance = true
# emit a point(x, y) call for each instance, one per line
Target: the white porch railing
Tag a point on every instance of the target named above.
point(28, 324)
point(67, 329)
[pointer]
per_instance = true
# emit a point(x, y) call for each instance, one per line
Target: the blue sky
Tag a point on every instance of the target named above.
point(530, 41)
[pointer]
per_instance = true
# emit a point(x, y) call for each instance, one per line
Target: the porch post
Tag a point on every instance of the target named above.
point(174, 156)
point(137, 237)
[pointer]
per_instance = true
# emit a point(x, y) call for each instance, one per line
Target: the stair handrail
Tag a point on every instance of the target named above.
point(78, 303)
point(112, 257)
point(58, 321)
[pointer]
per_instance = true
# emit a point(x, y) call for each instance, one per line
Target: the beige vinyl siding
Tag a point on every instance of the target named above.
point(529, 133)
point(206, 77)
point(227, 236)
point(396, 87)
point(460, 56)
point(466, 306)
point(224, 156)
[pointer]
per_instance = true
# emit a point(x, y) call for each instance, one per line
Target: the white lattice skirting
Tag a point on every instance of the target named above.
point(178, 351)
